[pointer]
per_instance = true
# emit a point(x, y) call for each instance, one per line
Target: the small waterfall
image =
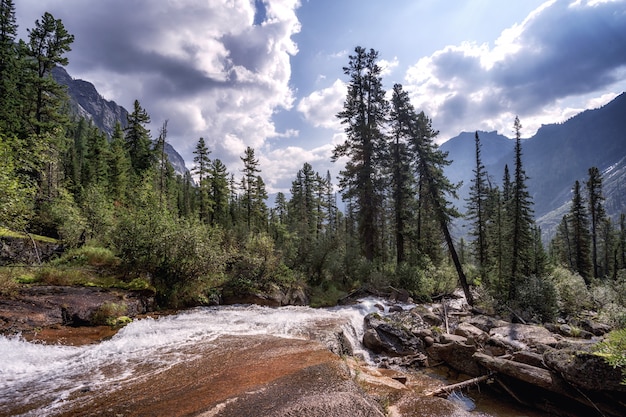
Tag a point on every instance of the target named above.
point(47, 375)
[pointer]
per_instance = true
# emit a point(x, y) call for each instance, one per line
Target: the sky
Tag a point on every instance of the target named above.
point(268, 73)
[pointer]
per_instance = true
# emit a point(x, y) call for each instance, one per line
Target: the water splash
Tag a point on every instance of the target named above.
point(32, 373)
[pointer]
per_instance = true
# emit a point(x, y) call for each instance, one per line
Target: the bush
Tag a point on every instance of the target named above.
point(88, 256)
point(63, 216)
point(537, 299)
point(8, 281)
point(572, 293)
point(613, 350)
point(110, 314)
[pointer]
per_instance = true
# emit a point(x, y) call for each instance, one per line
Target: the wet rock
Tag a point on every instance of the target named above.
point(583, 369)
point(44, 306)
point(458, 355)
point(394, 334)
point(272, 297)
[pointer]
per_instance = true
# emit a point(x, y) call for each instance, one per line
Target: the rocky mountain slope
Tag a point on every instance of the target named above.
point(88, 103)
point(554, 158)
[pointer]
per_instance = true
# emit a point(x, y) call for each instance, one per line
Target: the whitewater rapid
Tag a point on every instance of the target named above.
point(47, 376)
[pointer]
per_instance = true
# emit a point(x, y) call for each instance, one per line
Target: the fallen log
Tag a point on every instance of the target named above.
point(545, 379)
point(453, 387)
point(527, 373)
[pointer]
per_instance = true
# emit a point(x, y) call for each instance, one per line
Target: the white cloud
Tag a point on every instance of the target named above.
point(541, 69)
point(387, 67)
point(320, 107)
point(203, 65)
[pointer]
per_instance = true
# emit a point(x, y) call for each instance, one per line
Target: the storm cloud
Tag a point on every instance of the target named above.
point(212, 68)
point(562, 50)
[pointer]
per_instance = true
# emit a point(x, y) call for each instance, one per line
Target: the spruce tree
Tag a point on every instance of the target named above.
point(9, 69)
point(579, 226)
point(248, 183)
point(364, 114)
point(520, 218)
point(437, 187)
point(138, 140)
point(402, 179)
point(477, 207)
point(219, 192)
point(202, 168)
point(119, 165)
point(595, 204)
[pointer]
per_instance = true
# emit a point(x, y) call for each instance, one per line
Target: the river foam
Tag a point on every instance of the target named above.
point(39, 378)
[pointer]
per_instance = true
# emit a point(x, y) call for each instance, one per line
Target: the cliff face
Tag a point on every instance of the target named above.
point(88, 103)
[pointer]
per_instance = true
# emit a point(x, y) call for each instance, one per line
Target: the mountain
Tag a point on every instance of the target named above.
point(554, 158)
point(462, 151)
point(85, 101)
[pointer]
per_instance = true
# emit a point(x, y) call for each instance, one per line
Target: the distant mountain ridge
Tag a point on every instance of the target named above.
point(554, 158)
point(88, 103)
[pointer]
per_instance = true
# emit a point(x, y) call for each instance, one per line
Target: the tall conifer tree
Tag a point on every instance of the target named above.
point(520, 217)
point(597, 213)
point(364, 114)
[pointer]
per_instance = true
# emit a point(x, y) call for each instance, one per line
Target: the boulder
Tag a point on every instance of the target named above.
point(395, 334)
point(582, 368)
point(595, 328)
point(485, 323)
point(457, 355)
point(26, 251)
point(468, 331)
point(272, 297)
point(521, 336)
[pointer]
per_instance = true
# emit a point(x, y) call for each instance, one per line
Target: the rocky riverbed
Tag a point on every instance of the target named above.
point(318, 372)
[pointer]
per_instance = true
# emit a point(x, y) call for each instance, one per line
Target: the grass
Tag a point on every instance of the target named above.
point(86, 266)
point(4, 232)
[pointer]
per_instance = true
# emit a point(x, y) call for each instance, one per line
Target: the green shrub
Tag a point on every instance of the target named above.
point(572, 293)
point(110, 314)
point(536, 299)
point(613, 350)
point(8, 281)
point(88, 256)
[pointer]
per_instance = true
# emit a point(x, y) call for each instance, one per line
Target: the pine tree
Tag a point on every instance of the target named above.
point(42, 103)
point(138, 140)
point(477, 208)
point(119, 165)
point(402, 180)
point(248, 183)
point(9, 69)
point(520, 218)
point(597, 213)
point(579, 226)
point(219, 192)
point(364, 113)
point(202, 168)
point(48, 43)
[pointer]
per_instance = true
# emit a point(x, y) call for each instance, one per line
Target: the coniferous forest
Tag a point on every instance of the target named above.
point(116, 203)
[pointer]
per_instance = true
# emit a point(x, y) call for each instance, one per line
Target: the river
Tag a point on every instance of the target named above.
point(192, 349)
